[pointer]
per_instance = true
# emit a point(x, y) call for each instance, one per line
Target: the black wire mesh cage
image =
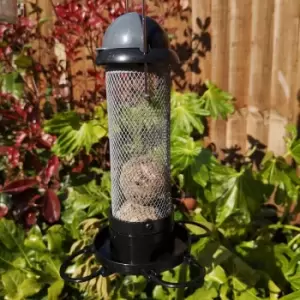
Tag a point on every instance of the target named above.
point(142, 237)
point(139, 143)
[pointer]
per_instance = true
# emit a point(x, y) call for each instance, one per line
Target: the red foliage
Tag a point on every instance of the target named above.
point(19, 186)
point(51, 206)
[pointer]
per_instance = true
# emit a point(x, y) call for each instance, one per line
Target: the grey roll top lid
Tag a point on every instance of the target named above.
point(123, 43)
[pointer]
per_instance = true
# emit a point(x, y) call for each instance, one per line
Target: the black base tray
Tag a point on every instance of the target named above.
point(165, 262)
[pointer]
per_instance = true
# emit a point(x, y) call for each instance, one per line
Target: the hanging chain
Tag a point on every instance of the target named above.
point(145, 47)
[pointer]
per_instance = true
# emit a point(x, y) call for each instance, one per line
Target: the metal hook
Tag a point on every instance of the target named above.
point(147, 96)
point(127, 5)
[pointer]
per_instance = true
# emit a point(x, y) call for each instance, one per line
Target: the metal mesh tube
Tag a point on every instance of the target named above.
point(139, 144)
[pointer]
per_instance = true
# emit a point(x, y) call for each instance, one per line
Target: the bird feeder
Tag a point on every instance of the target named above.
point(8, 11)
point(142, 237)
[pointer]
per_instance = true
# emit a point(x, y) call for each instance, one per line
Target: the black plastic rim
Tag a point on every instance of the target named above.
point(142, 228)
point(151, 271)
point(136, 56)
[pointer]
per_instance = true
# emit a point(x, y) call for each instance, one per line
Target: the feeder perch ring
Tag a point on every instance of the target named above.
point(101, 249)
point(189, 260)
point(63, 269)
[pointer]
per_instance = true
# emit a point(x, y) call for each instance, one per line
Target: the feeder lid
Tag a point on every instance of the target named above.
point(123, 42)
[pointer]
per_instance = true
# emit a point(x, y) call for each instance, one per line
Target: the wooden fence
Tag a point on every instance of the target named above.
point(250, 48)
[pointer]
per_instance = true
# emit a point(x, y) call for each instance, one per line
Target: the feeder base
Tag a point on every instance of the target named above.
point(101, 248)
point(166, 261)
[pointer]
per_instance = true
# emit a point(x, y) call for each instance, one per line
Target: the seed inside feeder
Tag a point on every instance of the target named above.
point(134, 212)
point(142, 180)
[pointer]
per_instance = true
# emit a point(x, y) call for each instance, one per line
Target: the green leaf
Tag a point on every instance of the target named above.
point(11, 235)
point(12, 83)
point(29, 287)
point(23, 61)
point(7, 259)
point(184, 151)
point(55, 290)
point(50, 265)
point(243, 196)
point(11, 281)
point(218, 275)
point(34, 239)
point(295, 151)
point(217, 102)
point(74, 134)
point(277, 172)
point(204, 294)
point(292, 296)
point(242, 291)
point(17, 286)
point(200, 167)
point(186, 113)
point(55, 237)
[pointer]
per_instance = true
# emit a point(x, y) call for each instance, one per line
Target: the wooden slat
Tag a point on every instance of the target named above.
point(201, 9)
point(260, 68)
point(219, 62)
point(240, 15)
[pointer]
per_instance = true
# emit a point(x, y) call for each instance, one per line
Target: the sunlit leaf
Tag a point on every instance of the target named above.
point(186, 113)
point(292, 296)
point(218, 102)
point(243, 292)
point(75, 135)
point(184, 151)
point(242, 195)
point(55, 290)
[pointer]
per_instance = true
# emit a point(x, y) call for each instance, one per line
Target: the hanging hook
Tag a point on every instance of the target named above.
point(127, 5)
point(147, 96)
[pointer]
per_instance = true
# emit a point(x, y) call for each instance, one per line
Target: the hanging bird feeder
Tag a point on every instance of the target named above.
point(142, 237)
point(8, 11)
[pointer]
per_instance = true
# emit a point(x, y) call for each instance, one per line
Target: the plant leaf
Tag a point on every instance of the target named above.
point(243, 195)
point(217, 102)
point(184, 151)
point(204, 294)
point(242, 291)
point(12, 83)
point(295, 151)
point(23, 61)
point(55, 290)
point(73, 134)
point(51, 207)
point(55, 237)
point(11, 235)
point(34, 239)
point(186, 112)
point(19, 185)
point(292, 296)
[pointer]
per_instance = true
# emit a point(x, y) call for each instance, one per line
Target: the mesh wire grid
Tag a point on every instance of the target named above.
point(139, 134)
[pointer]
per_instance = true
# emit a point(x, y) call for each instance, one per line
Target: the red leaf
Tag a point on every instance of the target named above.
point(14, 157)
point(51, 208)
point(5, 149)
point(46, 141)
point(9, 115)
point(79, 167)
point(21, 135)
point(3, 210)
point(19, 185)
point(31, 218)
point(51, 169)
point(20, 111)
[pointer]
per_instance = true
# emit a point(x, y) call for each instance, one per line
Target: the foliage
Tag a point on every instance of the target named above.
point(30, 262)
